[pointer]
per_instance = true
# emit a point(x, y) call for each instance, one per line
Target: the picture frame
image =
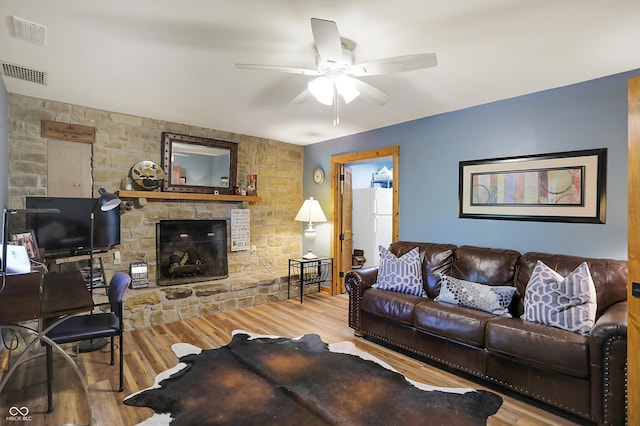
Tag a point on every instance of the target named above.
point(212, 164)
point(556, 187)
point(28, 239)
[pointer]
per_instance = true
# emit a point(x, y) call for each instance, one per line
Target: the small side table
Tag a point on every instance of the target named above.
point(309, 271)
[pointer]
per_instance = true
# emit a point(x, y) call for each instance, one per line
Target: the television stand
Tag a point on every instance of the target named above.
point(99, 279)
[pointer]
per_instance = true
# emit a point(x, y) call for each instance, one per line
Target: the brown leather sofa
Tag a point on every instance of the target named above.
point(583, 375)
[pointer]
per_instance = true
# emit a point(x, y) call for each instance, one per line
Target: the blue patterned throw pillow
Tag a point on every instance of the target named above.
point(403, 274)
point(487, 298)
point(569, 303)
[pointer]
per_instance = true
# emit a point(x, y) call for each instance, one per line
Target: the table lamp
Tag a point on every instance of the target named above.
point(310, 212)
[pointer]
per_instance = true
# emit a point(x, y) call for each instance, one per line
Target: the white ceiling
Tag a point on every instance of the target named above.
point(174, 59)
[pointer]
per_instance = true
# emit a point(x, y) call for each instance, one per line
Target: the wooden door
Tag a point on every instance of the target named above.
point(633, 231)
point(346, 231)
point(68, 169)
point(342, 208)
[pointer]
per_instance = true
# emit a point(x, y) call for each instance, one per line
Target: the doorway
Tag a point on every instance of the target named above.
point(341, 194)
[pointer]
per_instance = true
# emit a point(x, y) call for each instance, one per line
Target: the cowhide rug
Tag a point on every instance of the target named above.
point(268, 380)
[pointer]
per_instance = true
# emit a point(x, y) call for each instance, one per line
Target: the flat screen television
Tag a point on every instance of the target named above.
point(70, 230)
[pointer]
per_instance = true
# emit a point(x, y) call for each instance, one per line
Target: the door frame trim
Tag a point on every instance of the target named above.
point(337, 161)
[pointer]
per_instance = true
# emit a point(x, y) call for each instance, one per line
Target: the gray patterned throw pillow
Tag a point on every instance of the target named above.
point(403, 274)
point(569, 303)
point(487, 298)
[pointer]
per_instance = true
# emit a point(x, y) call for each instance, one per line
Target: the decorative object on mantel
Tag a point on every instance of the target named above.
point(147, 175)
point(310, 212)
point(127, 184)
point(199, 165)
point(68, 132)
point(252, 184)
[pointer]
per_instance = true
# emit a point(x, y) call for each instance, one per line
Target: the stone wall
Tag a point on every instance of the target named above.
point(121, 141)
point(167, 304)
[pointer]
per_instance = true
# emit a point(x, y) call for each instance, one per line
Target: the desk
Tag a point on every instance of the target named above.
point(64, 293)
point(28, 297)
point(309, 271)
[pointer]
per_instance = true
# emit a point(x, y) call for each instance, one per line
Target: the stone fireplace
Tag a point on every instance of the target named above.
point(189, 251)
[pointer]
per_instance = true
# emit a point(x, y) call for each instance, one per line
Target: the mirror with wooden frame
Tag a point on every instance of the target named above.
point(200, 165)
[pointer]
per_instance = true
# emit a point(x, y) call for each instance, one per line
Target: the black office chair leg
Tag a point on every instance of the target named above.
point(49, 378)
point(121, 363)
point(112, 358)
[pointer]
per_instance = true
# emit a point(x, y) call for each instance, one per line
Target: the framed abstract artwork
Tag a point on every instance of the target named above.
point(556, 187)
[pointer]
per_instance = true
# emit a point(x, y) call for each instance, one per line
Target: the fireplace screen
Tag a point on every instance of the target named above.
point(191, 250)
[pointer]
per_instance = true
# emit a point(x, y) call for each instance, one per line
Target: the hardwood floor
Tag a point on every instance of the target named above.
point(148, 352)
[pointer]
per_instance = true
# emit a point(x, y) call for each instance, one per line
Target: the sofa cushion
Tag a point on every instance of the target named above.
point(540, 345)
point(492, 299)
point(452, 322)
point(388, 304)
point(609, 276)
point(402, 274)
point(567, 302)
point(436, 258)
point(485, 265)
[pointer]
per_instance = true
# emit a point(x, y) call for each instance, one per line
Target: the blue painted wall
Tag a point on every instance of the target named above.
point(587, 115)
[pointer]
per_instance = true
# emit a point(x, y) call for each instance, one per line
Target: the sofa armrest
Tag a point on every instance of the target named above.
point(356, 282)
point(612, 325)
point(608, 353)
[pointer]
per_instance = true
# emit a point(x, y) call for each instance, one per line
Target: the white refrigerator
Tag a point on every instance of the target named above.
point(372, 221)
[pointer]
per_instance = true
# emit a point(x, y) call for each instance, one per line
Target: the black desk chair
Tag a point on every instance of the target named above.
point(93, 326)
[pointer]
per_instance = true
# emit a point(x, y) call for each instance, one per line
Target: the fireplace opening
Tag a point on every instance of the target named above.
point(190, 251)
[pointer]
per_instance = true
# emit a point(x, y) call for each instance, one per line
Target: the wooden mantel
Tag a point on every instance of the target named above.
point(186, 196)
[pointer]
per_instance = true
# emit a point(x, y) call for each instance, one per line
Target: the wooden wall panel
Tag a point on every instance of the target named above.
point(633, 351)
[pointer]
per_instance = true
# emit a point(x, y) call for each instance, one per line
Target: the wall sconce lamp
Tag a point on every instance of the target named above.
point(310, 212)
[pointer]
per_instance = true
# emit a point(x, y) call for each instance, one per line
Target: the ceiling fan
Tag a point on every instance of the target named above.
point(336, 69)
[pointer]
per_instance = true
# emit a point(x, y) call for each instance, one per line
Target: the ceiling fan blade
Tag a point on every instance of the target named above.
point(301, 97)
point(327, 39)
point(369, 92)
point(289, 70)
point(395, 64)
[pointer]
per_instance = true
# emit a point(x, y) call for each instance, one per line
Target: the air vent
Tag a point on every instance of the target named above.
point(23, 73)
point(29, 31)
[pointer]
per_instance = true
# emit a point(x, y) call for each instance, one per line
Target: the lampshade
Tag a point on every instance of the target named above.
point(323, 88)
point(346, 88)
point(310, 212)
point(107, 201)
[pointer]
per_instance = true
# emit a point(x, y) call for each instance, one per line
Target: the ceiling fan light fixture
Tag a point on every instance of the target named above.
point(322, 89)
point(346, 87)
